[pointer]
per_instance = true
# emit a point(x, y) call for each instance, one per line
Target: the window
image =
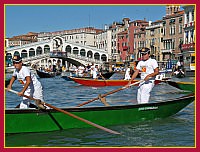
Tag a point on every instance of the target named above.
point(164, 31)
point(173, 43)
point(172, 30)
point(192, 36)
point(152, 32)
point(186, 37)
point(135, 44)
point(187, 17)
point(180, 29)
point(180, 20)
point(193, 15)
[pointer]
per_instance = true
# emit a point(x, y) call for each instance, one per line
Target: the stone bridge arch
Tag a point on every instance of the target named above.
point(39, 51)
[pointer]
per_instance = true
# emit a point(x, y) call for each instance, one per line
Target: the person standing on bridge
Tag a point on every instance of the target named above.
point(31, 86)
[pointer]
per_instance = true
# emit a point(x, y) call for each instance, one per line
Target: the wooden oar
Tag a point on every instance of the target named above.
point(111, 92)
point(70, 114)
point(102, 76)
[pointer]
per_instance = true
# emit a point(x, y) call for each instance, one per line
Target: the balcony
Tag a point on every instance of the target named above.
point(166, 50)
point(172, 21)
point(188, 46)
point(185, 25)
point(191, 24)
point(125, 47)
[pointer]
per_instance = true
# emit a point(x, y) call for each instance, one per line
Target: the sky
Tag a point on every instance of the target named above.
point(21, 19)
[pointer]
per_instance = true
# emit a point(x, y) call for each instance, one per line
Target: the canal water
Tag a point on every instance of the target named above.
point(176, 131)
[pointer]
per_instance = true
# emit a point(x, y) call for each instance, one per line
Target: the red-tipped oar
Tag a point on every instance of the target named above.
point(70, 114)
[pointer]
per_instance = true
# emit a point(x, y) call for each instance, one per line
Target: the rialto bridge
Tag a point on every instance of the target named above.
point(45, 52)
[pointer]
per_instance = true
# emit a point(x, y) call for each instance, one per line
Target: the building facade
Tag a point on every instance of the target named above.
point(83, 36)
point(154, 37)
point(172, 33)
point(188, 46)
point(21, 40)
point(168, 38)
point(139, 36)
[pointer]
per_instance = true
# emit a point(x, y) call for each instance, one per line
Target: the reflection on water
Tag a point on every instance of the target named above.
point(177, 130)
point(167, 132)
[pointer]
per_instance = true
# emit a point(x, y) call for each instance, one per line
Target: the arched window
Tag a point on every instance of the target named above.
point(46, 49)
point(24, 54)
point(89, 54)
point(38, 50)
point(97, 56)
point(31, 52)
point(82, 52)
point(68, 49)
point(104, 57)
point(75, 50)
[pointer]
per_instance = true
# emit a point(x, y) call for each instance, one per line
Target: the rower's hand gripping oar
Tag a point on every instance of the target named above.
point(101, 97)
point(38, 102)
point(68, 113)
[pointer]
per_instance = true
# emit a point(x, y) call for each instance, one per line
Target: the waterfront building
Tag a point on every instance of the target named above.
point(122, 40)
point(123, 45)
point(84, 36)
point(126, 41)
point(103, 40)
point(21, 39)
point(115, 28)
point(188, 46)
point(172, 32)
point(154, 37)
point(139, 36)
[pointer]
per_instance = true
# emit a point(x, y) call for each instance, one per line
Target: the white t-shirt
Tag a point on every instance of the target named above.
point(21, 77)
point(147, 67)
point(92, 69)
point(127, 74)
point(95, 72)
point(178, 63)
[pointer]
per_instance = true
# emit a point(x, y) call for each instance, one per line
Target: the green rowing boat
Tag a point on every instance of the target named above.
point(33, 120)
point(188, 86)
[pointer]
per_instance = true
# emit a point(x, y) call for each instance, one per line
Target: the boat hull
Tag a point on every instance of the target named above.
point(42, 74)
point(32, 120)
point(188, 86)
point(103, 83)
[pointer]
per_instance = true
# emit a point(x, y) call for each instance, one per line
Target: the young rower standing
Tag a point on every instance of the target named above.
point(31, 86)
point(149, 69)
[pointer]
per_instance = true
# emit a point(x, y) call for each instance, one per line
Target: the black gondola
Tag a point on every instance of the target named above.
point(44, 74)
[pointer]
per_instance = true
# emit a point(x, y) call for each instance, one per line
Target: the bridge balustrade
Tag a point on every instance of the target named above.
point(75, 56)
point(36, 57)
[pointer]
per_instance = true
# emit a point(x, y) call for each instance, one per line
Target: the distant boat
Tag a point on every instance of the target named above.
point(43, 74)
point(103, 83)
point(34, 120)
point(188, 86)
point(106, 75)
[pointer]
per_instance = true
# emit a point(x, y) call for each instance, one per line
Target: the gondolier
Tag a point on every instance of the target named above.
point(31, 86)
point(149, 69)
